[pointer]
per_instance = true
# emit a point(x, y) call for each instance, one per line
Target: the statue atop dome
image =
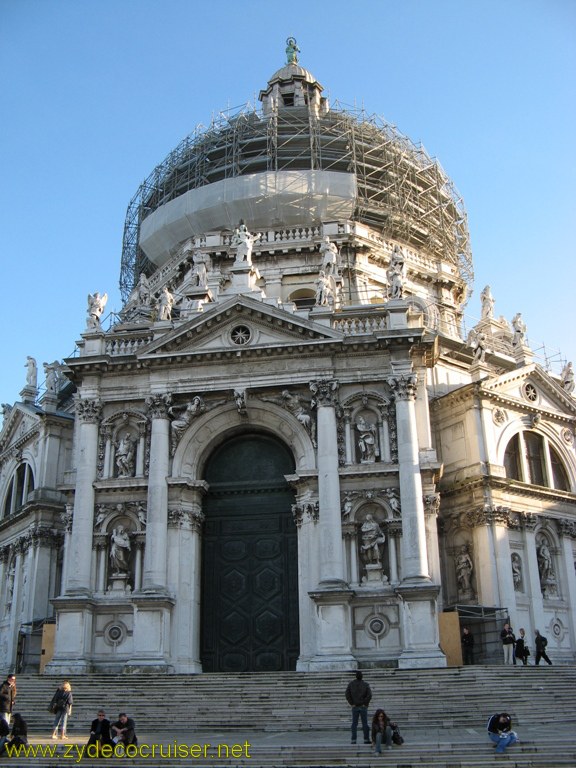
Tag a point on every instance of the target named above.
point(292, 51)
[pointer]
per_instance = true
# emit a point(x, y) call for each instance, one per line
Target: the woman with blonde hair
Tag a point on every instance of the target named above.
point(61, 707)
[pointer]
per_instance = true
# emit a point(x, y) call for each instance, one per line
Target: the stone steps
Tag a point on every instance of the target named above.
point(302, 719)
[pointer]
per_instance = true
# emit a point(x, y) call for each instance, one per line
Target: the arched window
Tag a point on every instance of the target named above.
point(20, 485)
point(530, 458)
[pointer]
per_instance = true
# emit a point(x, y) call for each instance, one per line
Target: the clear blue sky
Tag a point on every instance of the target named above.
point(95, 93)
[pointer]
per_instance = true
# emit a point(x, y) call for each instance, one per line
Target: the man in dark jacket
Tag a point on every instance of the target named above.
point(541, 642)
point(358, 695)
point(100, 730)
point(7, 697)
point(123, 730)
point(500, 731)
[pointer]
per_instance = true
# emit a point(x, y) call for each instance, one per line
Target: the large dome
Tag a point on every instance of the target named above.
point(295, 162)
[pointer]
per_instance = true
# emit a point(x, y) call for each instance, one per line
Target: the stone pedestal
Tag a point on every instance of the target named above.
point(152, 625)
point(243, 279)
point(119, 583)
point(397, 314)
point(29, 394)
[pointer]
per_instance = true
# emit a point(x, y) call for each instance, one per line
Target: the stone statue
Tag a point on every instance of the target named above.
point(329, 253)
point(372, 539)
point(293, 404)
point(182, 416)
point(240, 399)
point(366, 440)
point(125, 455)
point(324, 290)
point(487, 303)
point(197, 274)
point(478, 344)
point(165, 304)
point(243, 241)
point(519, 327)
point(347, 507)
point(292, 51)
point(96, 304)
point(6, 408)
point(567, 378)
point(31, 373)
point(544, 562)
point(516, 570)
point(120, 551)
point(52, 373)
point(143, 291)
point(464, 568)
point(393, 501)
point(396, 274)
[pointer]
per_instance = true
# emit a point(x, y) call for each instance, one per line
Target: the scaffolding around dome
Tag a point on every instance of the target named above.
point(401, 190)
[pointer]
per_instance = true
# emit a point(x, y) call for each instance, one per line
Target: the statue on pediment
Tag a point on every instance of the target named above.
point(324, 290)
point(396, 274)
point(31, 372)
point(96, 305)
point(519, 328)
point(243, 240)
point(143, 294)
point(567, 378)
point(165, 304)
point(329, 252)
point(487, 303)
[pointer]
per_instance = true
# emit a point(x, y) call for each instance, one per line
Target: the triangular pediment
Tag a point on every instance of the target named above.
point(532, 386)
point(242, 323)
point(20, 423)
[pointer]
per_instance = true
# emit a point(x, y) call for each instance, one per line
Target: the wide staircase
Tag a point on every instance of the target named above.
point(302, 719)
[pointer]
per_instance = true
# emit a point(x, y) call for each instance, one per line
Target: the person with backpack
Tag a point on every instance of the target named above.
point(541, 642)
point(61, 708)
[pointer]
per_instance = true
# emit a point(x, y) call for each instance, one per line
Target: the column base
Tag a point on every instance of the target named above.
point(328, 663)
point(420, 624)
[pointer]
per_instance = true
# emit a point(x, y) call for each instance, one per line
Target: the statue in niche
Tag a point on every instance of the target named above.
point(31, 373)
point(366, 441)
point(567, 378)
point(125, 455)
point(120, 551)
point(464, 569)
point(393, 501)
point(292, 51)
point(519, 328)
point(165, 304)
point(347, 507)
point(487, 303)
point(372, 539)
point(324, 290)
point(182, 416)
point(516, 571)
point(545, 568)
point(396, 274)
point(96, 304)
point(329, 252)
point(243, 241)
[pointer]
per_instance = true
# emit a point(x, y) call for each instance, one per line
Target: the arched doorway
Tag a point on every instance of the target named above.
point(249, 559)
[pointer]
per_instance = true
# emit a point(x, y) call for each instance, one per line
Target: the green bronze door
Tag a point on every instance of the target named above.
point(249, 559)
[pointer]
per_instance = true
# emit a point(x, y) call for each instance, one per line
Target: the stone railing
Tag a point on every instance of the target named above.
point(127, 345)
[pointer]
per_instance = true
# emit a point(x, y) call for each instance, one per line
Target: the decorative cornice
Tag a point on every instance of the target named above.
point(487, 515)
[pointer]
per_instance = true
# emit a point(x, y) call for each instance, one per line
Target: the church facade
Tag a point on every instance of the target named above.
point(286, 453)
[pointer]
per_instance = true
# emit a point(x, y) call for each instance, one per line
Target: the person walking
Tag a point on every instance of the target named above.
point(467, 641)
point(381, 731)
point(541, 642)
point(61, 706)
point(500, 731)
point(508, 640)
point(522, 651)
point(358, 695)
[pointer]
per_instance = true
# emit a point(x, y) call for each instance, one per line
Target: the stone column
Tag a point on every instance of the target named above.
point(419, 609)
point(155, 554)
point(414, 554)
point(79, 562)
point(330, 521)
point(332, 596)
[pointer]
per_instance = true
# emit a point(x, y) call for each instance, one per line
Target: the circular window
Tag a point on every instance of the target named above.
point(377, 626)
point(529, 392)
point(241, 335)
point(114, 634)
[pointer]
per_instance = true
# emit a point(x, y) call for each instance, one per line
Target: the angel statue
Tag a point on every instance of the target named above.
point(96, 304)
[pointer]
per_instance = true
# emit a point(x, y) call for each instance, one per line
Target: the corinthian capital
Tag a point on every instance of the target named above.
point(158, 406)
point(404, 387)
point(88, 411)
point(325, 392)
